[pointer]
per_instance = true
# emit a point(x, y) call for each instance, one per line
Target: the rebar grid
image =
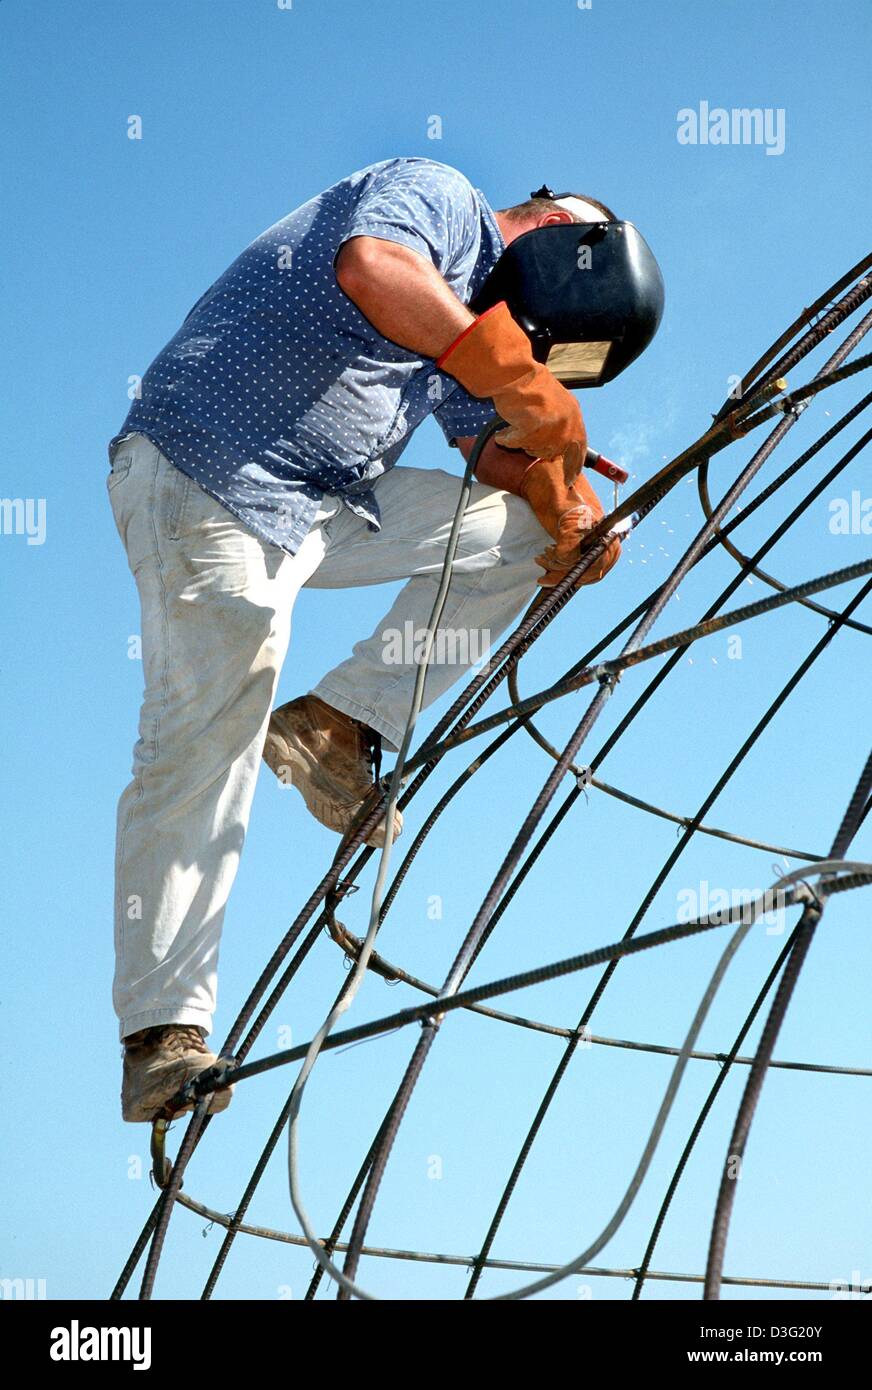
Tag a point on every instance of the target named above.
point(832, 874)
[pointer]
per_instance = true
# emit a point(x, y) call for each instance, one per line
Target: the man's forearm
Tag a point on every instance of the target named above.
point(402, 294)
point(497, 467)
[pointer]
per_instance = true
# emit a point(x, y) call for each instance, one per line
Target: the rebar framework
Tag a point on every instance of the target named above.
point(762, 398)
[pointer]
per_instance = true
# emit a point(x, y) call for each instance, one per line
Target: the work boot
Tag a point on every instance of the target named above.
point(332, 759)
point(157, 1063)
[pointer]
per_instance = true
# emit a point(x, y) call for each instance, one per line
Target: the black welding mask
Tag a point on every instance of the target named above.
point(588, 295)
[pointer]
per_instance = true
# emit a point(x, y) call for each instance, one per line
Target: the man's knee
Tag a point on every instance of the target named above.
point(516, 532)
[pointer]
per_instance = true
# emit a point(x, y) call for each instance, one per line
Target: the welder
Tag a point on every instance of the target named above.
point(258, 459)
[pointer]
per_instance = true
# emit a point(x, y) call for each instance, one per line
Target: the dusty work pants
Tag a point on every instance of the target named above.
point(216, 616)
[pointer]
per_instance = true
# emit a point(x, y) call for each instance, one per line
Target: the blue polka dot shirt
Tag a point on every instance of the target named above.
point(276, 389)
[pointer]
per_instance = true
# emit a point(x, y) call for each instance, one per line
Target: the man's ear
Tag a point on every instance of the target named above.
point(555, 218)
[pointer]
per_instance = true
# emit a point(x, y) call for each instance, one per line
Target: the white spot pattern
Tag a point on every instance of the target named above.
point(276, 389)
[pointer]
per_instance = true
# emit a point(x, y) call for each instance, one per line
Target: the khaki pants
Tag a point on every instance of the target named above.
point(216, 606)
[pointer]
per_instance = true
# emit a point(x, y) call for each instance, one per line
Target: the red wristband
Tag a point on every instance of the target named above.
point(468, 329)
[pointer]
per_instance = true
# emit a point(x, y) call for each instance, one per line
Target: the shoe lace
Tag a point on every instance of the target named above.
point(182, 1038)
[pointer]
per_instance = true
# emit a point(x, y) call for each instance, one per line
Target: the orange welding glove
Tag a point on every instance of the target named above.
point(492, 358)
point(565, 505)
point(568, 512)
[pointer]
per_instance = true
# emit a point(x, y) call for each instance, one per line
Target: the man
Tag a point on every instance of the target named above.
point(259, 460)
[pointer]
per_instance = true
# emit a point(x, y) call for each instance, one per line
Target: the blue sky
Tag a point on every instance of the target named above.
point(247, 110)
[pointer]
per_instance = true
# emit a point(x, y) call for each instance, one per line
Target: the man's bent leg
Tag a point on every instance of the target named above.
point(216, 608)
point(493, 581)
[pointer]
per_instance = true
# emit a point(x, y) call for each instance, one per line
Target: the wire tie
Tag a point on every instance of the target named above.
point(606, 677)
point(342, 888)
point(809, 895)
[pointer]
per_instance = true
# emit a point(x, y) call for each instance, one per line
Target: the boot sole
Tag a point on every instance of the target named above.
point(140, 1113)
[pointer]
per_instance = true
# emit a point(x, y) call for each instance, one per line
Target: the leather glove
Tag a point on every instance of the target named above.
point(558, 559)
point(567, 510)
point(566, 506)
point(492, 358)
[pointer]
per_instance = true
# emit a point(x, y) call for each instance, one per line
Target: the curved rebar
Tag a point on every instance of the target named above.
point(754, 406)
point(466, 955)
point(799, 950)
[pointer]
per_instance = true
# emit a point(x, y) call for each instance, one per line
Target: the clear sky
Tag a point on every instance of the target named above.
point(248, 109)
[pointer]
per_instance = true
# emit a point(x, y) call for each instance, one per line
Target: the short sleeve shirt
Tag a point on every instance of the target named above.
point(277, 389)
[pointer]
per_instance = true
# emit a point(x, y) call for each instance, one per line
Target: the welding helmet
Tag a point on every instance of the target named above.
point(589, 295)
